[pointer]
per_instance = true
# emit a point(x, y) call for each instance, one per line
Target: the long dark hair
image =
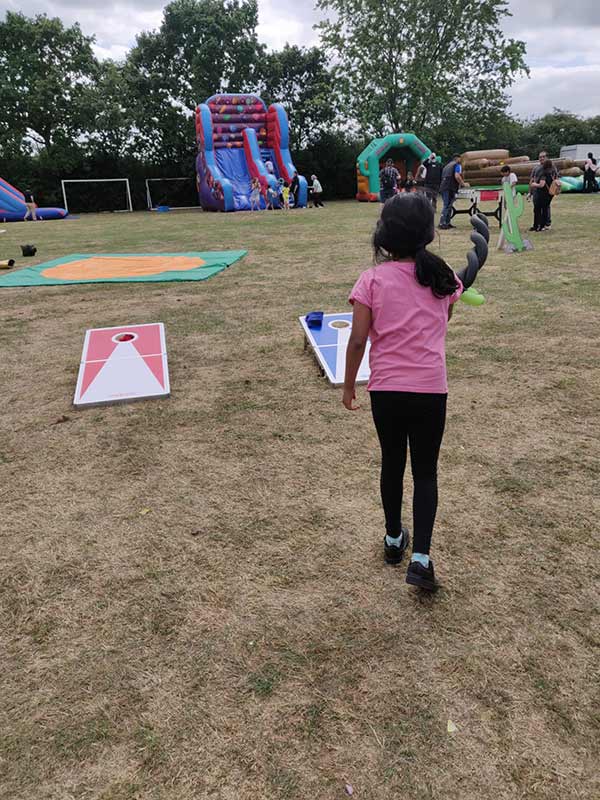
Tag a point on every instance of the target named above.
point(404, 230)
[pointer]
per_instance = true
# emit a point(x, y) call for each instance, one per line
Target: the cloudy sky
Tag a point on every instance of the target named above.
point(562, 39)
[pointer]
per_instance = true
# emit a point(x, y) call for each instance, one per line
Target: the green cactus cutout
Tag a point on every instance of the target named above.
point(513, 209)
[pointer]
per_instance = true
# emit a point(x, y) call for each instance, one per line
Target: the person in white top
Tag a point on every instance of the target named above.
point(269, 167)
point(317, 192)
point(510, 178)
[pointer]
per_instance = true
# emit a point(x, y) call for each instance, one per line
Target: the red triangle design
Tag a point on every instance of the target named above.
point(156, 366)
point(90, 372)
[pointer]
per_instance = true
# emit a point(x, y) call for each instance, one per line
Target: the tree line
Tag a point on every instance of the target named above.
point(67, 114)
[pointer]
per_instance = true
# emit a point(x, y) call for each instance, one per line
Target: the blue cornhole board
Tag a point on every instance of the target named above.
point(329, 343)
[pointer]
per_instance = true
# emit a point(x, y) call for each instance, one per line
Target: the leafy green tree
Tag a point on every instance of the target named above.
point(553, 131)
point(202, 47)
point(300, 78)
point(46, 89)
point(418, 64)
point(111, 134)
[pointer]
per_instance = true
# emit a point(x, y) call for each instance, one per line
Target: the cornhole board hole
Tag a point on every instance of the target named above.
point(122, 364)
point(329, 344)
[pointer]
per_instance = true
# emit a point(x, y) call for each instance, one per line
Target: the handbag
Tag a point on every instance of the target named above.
point(555, 187)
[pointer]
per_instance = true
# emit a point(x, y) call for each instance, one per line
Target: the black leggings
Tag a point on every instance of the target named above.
point(541, 208)
point(417, 419)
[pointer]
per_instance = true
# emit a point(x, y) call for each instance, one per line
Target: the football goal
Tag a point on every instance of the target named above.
point(100, 196)
point(171, 192)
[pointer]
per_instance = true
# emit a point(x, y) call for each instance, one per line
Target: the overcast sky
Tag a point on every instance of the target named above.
point(562, 38)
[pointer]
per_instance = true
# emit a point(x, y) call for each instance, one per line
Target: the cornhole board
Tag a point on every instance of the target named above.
point(329, 344)
point(120, 364)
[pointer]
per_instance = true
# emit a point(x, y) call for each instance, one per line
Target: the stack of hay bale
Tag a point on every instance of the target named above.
point(481, 168)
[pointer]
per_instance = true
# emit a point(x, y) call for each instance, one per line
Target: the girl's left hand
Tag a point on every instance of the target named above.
point(348, 398)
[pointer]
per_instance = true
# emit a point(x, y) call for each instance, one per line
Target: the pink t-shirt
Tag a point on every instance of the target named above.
point(408, 329)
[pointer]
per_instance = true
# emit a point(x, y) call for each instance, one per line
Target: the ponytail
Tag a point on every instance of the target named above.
point(432, 271)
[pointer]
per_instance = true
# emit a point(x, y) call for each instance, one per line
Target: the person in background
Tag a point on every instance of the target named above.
point(421, 173)
point(536, 173)
point(433, 178)
point(317, 192)
point(542, 197)
point(510, 178)
point(403, 304)
point(285, 196)
point(30, 205)
point(389, 178)
point(272, 195)
point(269, 166)
point(410, 184)
point(255, 195)
point(451, 182)
point(295, 188)
point(589, 174)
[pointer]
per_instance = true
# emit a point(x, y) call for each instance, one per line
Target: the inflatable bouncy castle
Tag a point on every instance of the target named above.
point(13, 208)
point(406, 151)
point(236, 135)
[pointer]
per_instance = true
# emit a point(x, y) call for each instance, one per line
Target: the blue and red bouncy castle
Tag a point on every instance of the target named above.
point(236, 135)
point(13, 208)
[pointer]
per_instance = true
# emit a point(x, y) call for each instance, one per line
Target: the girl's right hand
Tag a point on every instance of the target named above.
point(348, 397)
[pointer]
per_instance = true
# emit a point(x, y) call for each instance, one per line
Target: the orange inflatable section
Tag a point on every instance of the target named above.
point(120, 267)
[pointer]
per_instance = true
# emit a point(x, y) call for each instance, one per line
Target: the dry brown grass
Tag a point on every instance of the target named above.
point(194, 603)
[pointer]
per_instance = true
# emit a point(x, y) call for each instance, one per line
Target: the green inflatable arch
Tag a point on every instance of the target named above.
point(406, 151)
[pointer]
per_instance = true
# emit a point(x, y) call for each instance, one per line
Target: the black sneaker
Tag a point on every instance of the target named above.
point(423, 577)
point(393, 554)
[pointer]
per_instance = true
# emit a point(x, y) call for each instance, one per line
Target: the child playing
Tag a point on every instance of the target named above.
point(255, 195)
point(403, 304)
point(285, 195)
point(272, 196)
point(509, 177)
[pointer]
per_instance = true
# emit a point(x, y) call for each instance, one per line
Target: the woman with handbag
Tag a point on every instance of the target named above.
point(542, 196)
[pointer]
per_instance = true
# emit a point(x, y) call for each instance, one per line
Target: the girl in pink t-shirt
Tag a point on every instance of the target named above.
point(403, 304)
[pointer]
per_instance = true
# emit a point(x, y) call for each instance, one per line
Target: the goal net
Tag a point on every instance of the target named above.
point(171, 192)
point(96, 194)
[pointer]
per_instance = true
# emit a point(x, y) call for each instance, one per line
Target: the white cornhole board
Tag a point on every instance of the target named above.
point(329, 343)
point(124, 363)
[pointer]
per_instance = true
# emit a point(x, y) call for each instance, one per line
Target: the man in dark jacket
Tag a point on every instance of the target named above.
point(452, 180)
point(389, 178)
point(433, 178)
point(295, 188)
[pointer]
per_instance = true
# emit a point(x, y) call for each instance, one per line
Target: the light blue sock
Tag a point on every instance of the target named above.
point(391, 542)
point(421, 558)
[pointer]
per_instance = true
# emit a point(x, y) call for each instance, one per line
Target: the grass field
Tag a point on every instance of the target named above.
point(193, 599)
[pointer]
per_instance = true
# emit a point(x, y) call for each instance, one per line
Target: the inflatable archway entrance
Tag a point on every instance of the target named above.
point(406, 151)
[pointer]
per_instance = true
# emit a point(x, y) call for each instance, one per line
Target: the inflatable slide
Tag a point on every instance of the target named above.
point(406, 151)
point(13, 208)
point(236, 136)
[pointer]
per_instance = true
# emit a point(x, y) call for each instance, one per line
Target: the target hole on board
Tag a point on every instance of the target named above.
point(125, 337)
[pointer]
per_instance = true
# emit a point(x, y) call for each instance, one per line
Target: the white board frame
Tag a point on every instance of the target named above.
point(151, 207)
point(77, 400)
point(99, 180)
point(309, 341)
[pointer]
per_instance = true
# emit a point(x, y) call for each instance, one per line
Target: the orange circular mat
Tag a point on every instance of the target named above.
point(121, 267)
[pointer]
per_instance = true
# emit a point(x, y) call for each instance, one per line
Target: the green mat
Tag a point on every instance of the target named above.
point(124, 268)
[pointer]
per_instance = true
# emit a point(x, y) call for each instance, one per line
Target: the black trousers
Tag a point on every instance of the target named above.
point(417, 420)
point(541, 208)
point(589, 181)
point(317, 199)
